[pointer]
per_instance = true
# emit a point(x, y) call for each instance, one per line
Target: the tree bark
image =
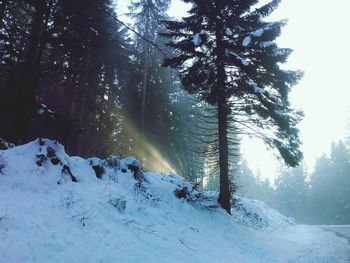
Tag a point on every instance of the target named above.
point(223, 111)
point(144, 101)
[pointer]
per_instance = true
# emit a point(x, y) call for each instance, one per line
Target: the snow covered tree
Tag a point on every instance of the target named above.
point(226, 54)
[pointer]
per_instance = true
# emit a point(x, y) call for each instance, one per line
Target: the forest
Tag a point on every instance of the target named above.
point(177, 95)
point(317, 196)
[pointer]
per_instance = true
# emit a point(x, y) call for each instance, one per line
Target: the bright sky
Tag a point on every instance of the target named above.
point(318, 32)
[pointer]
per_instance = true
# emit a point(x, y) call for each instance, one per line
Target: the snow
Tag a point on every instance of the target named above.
point(278, 112)
point(228, 32)
point(196, 39)
point(259, 90)
point(266, 44)
point(246, 41)
point(242, 60)
point(94, 30)
point(279, 52)
point(256, 214)
point(121, 217)
point(258, 33)
point(40, 111)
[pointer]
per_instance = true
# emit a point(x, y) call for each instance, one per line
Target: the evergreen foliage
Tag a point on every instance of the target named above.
point(226, 54)
point(86, 76)
point(75, 60)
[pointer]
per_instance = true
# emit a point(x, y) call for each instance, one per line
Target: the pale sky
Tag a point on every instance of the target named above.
point(318, 32)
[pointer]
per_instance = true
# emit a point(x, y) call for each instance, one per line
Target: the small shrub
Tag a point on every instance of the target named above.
point(84, 216)
point(40, 159)
point(113, 162)
point(67, 200)
point(118, 203)
point(145, 193)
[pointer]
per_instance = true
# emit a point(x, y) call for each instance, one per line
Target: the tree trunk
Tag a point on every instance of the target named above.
point(144, 101)
point(223, 110)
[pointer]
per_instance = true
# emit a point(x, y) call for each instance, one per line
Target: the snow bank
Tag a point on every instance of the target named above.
point(256, 214)
point(60, 208)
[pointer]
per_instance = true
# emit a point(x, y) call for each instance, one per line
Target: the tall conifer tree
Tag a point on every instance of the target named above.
point(147, 15)
point(227, 55)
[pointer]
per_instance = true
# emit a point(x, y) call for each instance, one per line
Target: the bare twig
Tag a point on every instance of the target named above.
point(183, 243)
point(4, 215)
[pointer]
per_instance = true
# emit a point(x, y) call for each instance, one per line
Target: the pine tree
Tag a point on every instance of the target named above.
point(97, 65)
point(147, 15)
point(24, 75)
point(77, 61)
point(227, 56)
point(292, 192)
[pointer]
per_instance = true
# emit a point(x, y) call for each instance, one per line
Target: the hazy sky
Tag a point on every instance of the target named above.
point(318, 32)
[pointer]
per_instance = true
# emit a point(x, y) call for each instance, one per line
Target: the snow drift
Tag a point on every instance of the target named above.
point(58, 208)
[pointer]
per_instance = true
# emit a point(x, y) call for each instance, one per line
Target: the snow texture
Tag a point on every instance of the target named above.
point(246, 41)
point(256, 214)
point(266, 44)
point(228, 32)
point(278, 112)
point(259, 90)
point(242, 60)
point(196, 39)
point(256, 33)
point(119, 217)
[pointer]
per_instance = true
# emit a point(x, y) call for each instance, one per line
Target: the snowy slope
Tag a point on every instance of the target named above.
point(126, 215)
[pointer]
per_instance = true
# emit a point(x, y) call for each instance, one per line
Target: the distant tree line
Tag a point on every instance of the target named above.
point(319, 197)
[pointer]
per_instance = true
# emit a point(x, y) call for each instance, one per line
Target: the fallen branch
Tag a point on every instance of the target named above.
point(183, 243)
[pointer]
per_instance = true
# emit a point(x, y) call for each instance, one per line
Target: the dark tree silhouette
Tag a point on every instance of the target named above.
point(227, 56)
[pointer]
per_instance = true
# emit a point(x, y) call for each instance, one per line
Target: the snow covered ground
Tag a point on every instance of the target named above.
point(57, 208)
point(340, 230)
